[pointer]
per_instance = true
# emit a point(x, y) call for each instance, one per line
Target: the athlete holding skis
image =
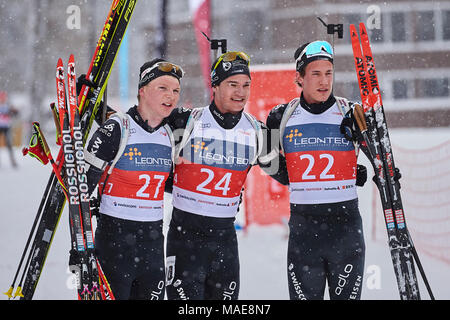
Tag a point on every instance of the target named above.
point(371, 121)
point(130, 157)
point(326, 242)
point(218, 146)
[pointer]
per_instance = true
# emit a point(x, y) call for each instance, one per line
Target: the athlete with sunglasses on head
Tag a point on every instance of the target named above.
point(130, 158)
point(216, 148)
point(326, 243)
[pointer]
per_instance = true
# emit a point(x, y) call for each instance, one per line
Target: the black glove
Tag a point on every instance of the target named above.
point(349, 128)
point(397, 177)
point(361, 175)
point(81, 80)
point(94, 204)
point(74, 261)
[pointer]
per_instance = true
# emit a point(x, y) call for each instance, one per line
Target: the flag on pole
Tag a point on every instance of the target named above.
point(161, 34)
point(200, 12)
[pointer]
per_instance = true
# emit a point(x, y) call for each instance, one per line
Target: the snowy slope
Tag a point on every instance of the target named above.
point(262, 249)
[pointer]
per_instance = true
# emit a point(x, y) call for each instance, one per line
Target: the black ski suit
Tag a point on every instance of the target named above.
point(202, 251)
point(326, 242)
point(130, 252)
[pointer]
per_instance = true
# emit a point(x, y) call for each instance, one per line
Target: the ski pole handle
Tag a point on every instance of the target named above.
point(43, 140)
point(48, 153)
point(360, 118)
point(57, 123)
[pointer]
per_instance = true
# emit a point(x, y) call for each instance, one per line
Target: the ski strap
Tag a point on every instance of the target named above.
point(291, 106)
point(190, 123)
point(35, 147)
point(344, 107)
point(92, 159)
point(172, 142)
point(124, 120)
point(259, 138)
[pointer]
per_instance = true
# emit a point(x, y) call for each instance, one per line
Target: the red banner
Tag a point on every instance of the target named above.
point(200, 11)
point(267, 201)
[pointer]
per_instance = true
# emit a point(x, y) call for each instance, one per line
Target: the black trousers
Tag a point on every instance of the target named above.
point(202, 260)
point(326, 244)
point(131, 254)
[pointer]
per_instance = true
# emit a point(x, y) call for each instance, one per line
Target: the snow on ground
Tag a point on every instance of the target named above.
point(262, 248)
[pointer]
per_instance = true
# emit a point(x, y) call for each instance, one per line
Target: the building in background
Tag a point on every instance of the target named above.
point(411, 46)
point(410, 39)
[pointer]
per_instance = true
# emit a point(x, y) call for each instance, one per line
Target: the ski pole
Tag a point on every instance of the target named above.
point(30, 236)
point(419, 265)
point(49, 155)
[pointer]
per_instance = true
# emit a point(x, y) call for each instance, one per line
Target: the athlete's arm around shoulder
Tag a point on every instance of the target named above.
point(177, 121)
point(275, 115)
point(276, 167)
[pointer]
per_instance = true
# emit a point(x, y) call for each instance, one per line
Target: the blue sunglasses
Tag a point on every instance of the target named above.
point(316, 48)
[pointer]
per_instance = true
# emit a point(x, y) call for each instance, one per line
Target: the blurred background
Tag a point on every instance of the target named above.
point(411, 45)
point(411, 41)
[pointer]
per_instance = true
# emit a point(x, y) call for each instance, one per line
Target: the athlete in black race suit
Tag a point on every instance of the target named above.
point(326, 242)
point(202, 251)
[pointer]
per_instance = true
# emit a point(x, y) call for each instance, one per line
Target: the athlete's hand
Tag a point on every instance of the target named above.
point(397, 176)
point(361, 175)
point(82, 81)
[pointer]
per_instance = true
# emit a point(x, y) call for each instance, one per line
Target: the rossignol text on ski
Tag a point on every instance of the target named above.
point(50, 209)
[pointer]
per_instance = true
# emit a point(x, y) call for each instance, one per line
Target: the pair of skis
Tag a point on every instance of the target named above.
point(54, 197)
point(377, 146)
point(91, 283)
point(83, 262)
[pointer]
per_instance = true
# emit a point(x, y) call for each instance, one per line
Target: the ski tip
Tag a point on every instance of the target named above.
point(353, 32)
point(362, 28)
point(71, 66)
point(59, 70)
